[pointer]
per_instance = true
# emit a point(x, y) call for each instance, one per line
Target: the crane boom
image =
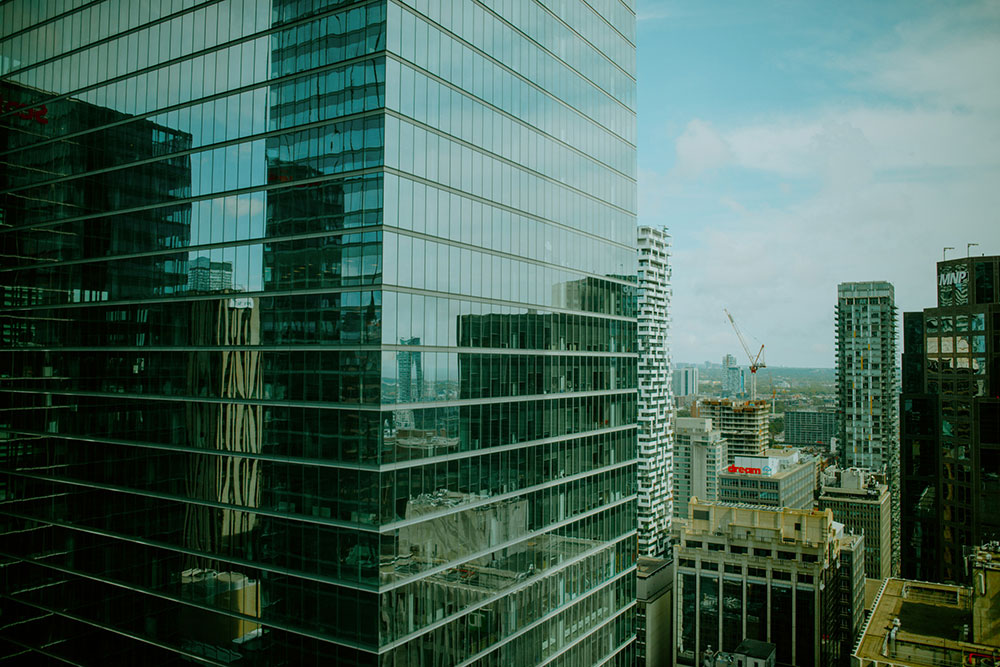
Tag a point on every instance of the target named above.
point(756, 362)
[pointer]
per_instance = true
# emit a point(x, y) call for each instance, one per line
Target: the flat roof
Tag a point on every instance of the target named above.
point(933, 623)
point(754, 648)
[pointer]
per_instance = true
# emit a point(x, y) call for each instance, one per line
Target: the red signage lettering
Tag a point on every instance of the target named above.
point(37, 114)
point(745, 471)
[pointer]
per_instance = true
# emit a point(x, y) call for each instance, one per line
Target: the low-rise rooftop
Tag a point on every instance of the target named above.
point(920, 624)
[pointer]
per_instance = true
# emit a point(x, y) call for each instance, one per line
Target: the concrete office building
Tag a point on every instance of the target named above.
point(655, 392)
point(744, 424)
point(411, 438)
point(950, 429)
point(780, 478)
point(790, 577)
point(654, 611)
point(867, 386)
point(685, 381)
point(859, 502)
point(699, 458)
point(810, 428)
point(921, 624)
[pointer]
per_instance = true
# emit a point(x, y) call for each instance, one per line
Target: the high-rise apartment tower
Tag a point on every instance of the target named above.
point(655, 395)
point(699, 458)
point(867, 386)
point(685, 381)
point(410, 439)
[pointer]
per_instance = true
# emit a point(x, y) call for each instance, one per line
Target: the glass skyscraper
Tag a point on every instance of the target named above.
point(318, 332)
point(950, 427)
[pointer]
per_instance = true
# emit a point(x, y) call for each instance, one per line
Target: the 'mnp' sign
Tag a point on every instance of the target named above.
point(952, 278)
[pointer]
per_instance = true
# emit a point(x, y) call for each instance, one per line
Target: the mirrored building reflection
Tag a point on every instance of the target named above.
point(319, 333)
point(950, 422)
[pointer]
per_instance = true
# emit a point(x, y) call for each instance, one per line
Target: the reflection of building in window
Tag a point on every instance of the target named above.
point(234, 481)
point(410, 372)
point(205, 275)
point(950, 422)
point(32, 156)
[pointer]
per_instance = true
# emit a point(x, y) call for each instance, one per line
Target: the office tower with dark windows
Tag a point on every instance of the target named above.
point(319, 332)
point(655, 393)
point(867, 387)
point(862, 504)
point(950, 421)
point(791, 577)
point(810, 428)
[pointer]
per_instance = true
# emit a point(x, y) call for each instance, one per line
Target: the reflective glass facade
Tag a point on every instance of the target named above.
point(318, 331)
point(950, 426)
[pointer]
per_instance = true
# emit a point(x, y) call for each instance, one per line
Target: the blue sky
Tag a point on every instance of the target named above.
point(791, 146)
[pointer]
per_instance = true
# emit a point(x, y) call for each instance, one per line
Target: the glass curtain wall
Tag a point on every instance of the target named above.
point(317, 329)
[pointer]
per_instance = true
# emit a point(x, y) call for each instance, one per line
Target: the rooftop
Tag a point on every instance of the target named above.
point(919, 624)
point(754, 648)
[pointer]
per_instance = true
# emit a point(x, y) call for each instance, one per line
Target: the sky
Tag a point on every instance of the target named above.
point(791, 146)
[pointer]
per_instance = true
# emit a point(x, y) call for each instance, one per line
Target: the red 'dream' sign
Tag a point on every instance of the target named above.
point(745, 471)
point(37, 114)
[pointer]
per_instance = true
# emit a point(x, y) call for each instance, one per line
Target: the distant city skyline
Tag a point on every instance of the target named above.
point(782, 144)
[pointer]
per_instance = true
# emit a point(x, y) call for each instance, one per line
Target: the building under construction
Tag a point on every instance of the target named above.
point(743, 424)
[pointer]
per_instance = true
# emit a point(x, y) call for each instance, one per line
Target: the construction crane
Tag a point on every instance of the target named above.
point(755, 362)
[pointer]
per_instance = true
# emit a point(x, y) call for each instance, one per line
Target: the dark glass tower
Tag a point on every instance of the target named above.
point(950, 427)
point(318, 332)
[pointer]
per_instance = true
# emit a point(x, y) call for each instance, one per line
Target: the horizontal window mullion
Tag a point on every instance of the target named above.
point(199, 248)
point(365, 407)
point(166, 546)
point(190, 603)
point(198, 101)
point(497, 596)
point(494, 204)
point(196, 54)
point(110, 38)
point(456, 562)
point(457, 509)
point(510, 163)
point(193, 151)
point(173, 203)
point(187, 500)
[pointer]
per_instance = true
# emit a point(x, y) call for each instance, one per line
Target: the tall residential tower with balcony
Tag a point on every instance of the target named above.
point(867, 386)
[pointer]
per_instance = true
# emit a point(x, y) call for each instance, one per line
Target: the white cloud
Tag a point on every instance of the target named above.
point(889, 182)
point(699, 149)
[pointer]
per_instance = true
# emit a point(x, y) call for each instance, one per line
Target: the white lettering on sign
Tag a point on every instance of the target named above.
point(952, 278)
